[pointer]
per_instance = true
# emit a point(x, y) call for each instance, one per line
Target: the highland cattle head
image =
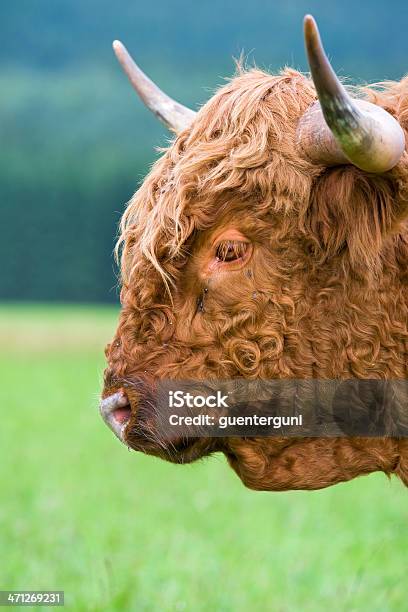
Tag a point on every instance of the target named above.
point(265, 243)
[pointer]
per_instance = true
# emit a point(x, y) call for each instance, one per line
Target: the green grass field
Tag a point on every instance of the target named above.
point(120, 531)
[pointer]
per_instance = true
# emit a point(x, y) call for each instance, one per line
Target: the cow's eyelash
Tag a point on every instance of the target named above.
point(231, 250)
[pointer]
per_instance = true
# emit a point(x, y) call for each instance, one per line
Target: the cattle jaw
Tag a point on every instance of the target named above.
point(115, 411)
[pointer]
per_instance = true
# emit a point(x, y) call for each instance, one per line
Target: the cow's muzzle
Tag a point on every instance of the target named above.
point(115, 411)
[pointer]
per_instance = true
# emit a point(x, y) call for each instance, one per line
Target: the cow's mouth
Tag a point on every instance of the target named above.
point(116, 412)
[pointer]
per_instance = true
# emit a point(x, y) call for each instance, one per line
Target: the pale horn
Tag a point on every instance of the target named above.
point(174, 115)
point(338, 129)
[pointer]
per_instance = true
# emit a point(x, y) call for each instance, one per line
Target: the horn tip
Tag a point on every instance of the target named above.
point(118, 47)
point(312, 39)
point(307, 18)
point(310, 26)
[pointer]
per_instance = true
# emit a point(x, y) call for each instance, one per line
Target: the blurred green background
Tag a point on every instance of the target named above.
point(114, 529)
point(125, 532)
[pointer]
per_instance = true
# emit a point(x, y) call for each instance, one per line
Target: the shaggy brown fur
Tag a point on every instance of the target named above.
point(324, 294)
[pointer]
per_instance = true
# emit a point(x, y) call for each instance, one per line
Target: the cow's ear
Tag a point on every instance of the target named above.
point(353, 213)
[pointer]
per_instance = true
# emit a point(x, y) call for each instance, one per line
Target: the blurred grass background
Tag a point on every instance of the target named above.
point(120, 531)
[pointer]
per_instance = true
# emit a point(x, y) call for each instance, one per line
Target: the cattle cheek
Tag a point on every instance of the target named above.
point(189, 324)
point(215, 307)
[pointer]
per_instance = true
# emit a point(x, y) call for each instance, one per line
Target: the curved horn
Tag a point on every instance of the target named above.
point(174, 115)
point(339, 129)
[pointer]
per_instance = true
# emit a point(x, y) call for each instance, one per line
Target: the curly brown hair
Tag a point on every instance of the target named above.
point(322, 292)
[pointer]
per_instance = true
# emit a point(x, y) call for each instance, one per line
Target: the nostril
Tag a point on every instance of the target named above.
point(122, 415)
point(112, 402)
point(116, 412)
point(122, 399)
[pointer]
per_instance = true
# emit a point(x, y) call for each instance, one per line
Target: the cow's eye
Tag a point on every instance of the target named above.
point(231, 250)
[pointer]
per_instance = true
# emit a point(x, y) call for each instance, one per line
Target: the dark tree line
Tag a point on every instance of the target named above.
point(75, 142)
